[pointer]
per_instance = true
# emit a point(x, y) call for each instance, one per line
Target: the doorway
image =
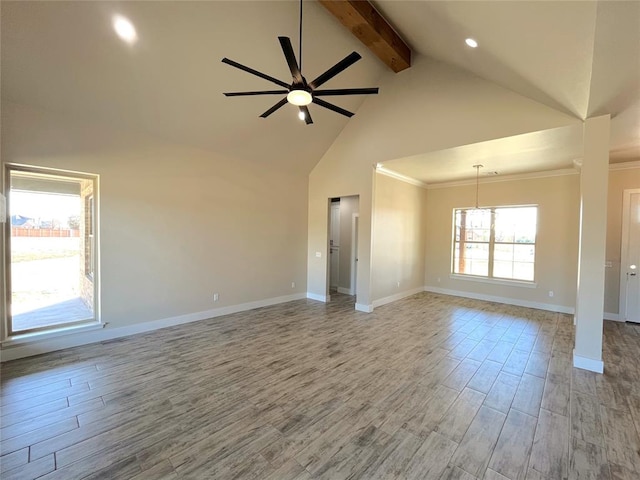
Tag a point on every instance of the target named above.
point(342, 246)
point(630, 257)
point(52, 267)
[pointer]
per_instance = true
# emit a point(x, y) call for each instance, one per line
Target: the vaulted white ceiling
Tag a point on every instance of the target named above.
point(65, 57)
point(580, 58)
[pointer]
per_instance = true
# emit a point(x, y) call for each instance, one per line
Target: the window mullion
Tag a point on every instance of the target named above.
point(463, 241)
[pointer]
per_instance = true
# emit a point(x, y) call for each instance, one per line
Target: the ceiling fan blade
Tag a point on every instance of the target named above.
point(254, 72)
point(307, 116)
point(332, 107)
point(343, 64)
point(263, 92)
point(287, 49)
point(274, 108)
point(346, 91)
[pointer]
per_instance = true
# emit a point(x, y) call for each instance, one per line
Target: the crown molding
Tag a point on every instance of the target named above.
point(402, 178)
point(624, 165)
point(503, 178)
point(506, 178)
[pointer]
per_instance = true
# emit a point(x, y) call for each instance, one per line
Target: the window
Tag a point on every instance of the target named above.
point(52, 273)
point(497, 242)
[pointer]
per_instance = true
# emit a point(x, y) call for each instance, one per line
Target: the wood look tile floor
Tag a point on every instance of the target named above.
point(429, 387)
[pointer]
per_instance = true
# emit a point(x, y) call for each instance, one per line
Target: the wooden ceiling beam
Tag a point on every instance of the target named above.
point(364, 21)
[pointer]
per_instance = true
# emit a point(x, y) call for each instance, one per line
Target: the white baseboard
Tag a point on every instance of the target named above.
point(364, 308)
point(346, 291)
point(588, 363)
point(613, 316)
point(506, 300)
point(37, 347)
point(319, 298)
point(397, 296)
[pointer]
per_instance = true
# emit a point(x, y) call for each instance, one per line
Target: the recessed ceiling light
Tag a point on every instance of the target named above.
point(125, 29)
point(471, 42)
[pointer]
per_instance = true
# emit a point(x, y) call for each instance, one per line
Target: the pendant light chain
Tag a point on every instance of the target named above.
point(300, 34)
point(477, 167)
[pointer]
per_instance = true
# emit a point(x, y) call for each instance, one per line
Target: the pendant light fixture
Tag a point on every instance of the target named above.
point(477, 167)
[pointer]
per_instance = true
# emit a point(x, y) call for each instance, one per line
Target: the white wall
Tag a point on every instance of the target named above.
point(558, 200)
point(429, 107)
point(399, 235)
point(177, 223)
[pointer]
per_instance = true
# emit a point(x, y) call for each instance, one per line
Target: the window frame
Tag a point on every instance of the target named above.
point(90, 220)
point(490, 278)
point(7, 335)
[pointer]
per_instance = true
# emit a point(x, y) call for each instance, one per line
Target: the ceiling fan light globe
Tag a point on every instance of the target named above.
point(299, 98)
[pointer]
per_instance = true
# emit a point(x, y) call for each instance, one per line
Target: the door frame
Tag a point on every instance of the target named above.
point(355, 224)
point(6, 330)
point(624, 249)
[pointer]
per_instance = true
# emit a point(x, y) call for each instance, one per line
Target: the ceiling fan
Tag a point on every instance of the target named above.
point(300, 92)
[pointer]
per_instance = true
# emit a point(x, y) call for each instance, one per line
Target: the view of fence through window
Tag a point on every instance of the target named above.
point(49, 245)
point(498, 242)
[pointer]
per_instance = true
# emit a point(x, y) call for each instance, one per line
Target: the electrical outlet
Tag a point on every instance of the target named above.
point(397, 284)
point(293, 284)
point(216, 297)
point(438, 279)
point(551, 293)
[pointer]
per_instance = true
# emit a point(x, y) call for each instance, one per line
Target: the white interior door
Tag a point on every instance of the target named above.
point(630, 258)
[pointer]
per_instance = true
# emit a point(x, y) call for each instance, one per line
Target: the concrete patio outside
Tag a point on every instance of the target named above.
point(45, 291)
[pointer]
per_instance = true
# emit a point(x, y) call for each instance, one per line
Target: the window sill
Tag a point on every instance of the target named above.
point(35, 337)
point(494, 281)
